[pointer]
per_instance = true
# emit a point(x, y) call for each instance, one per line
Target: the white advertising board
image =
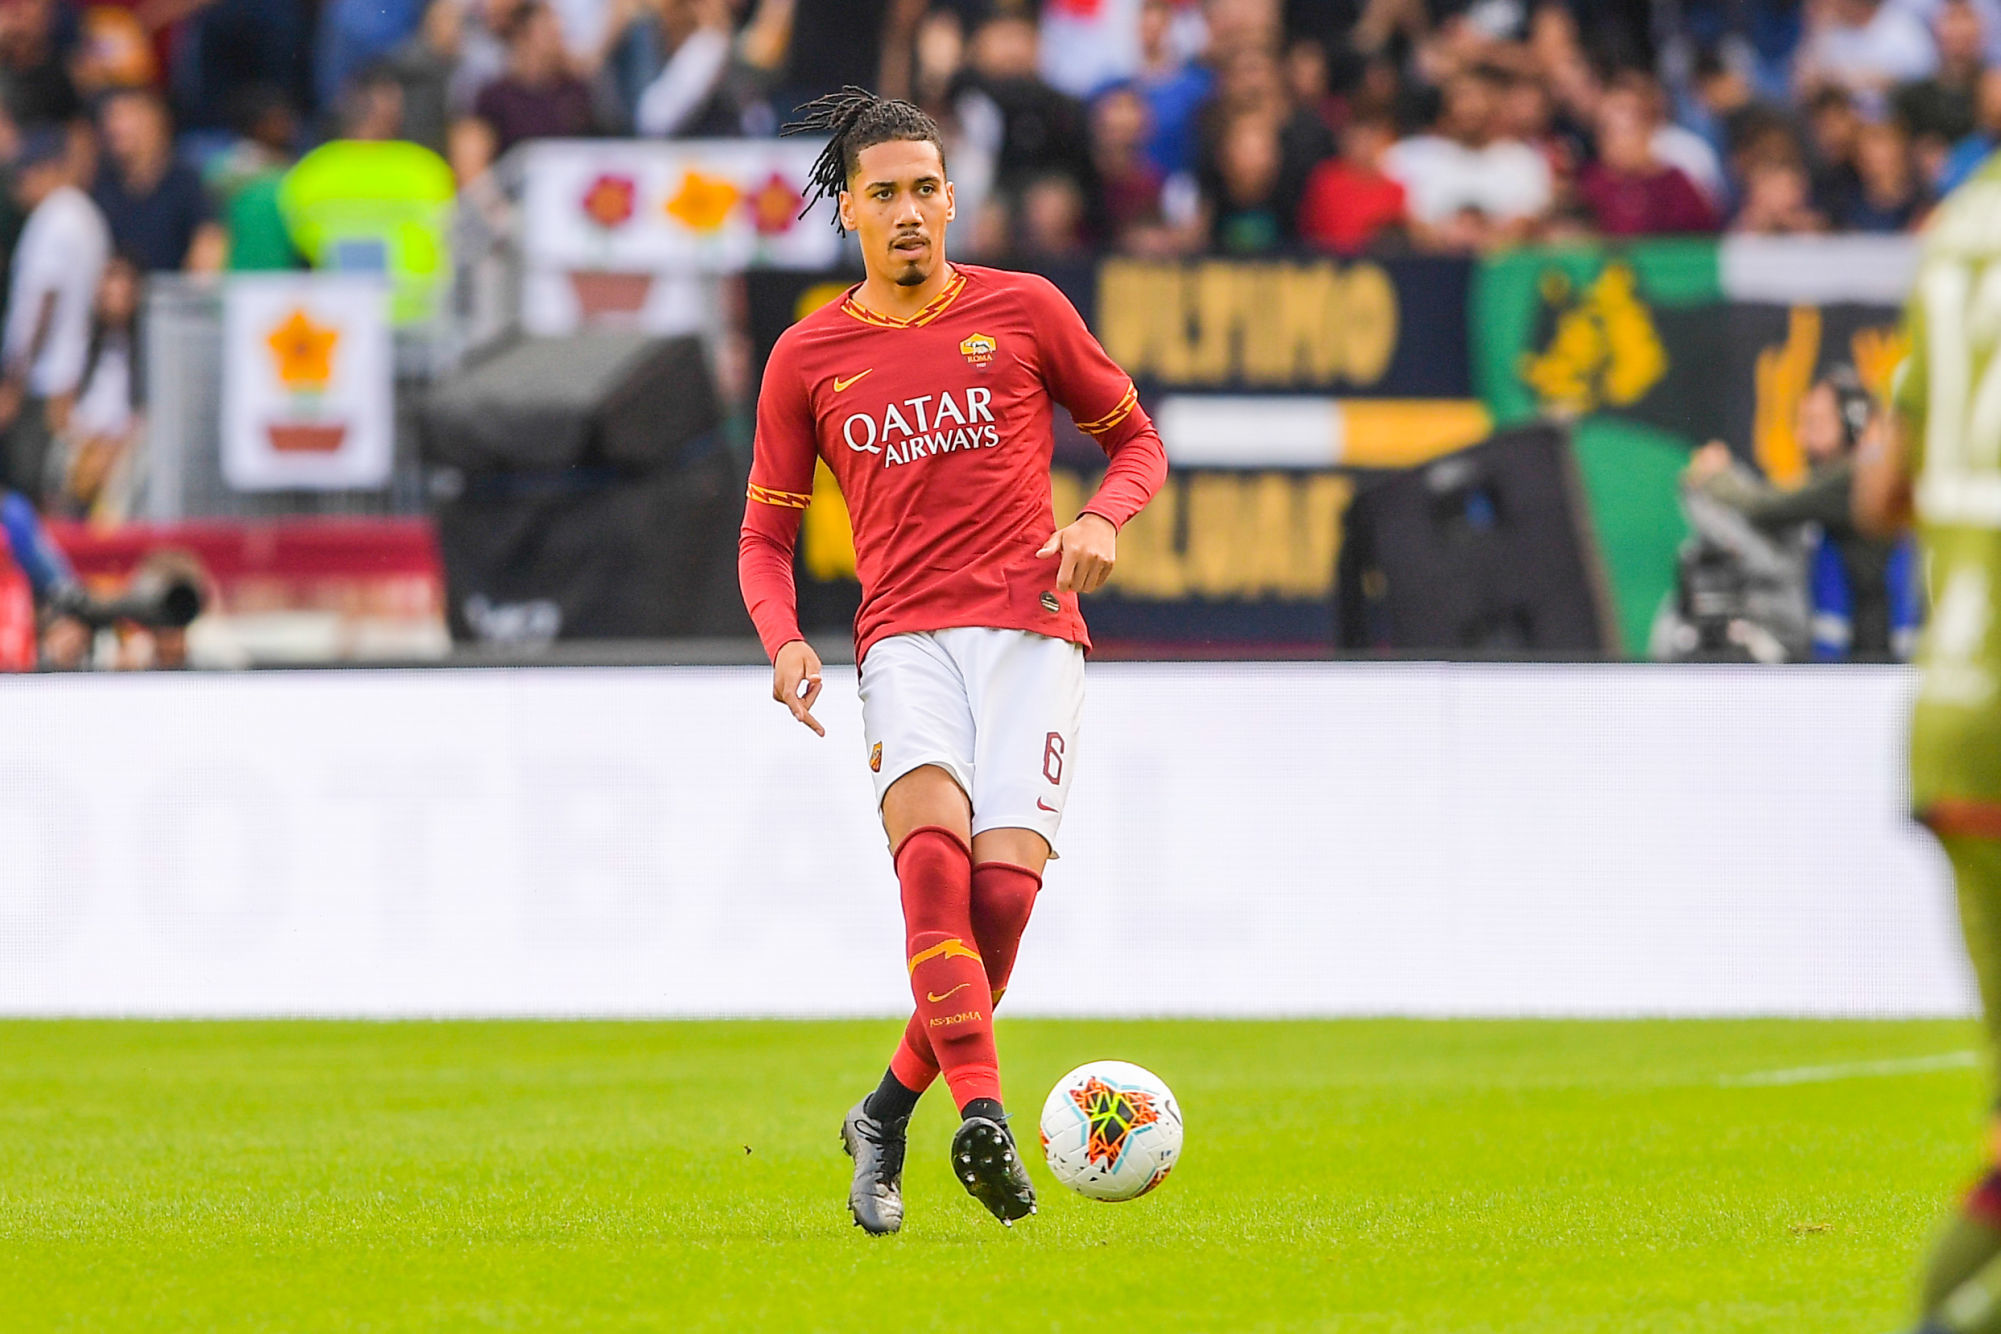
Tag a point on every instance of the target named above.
point(1241, 840)
point(646, 206)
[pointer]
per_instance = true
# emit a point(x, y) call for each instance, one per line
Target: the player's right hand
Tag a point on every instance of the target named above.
point(795, 682)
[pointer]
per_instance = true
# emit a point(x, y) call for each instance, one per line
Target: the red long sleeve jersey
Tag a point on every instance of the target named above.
point(937, 429)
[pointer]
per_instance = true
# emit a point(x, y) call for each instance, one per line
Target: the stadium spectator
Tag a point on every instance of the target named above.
point(1351, 204)
point(482, 49)
point(424, 64)
point(1041, 130)
point(1526, 110)
point(1938, 111)
point(1467, 188)
point(1052, 216)
point(1129, 183)
point(834, 43)
point(1251, 82)
point(1718, 102)
point(355, 34)
point(101, 439)
point(58, 263)
point(1675, 145)
point(1309, 82)
point(1175, 88)
point(1866, 47)
point(245, 179)
point(1890, 198)
point(156, 205)
point(113, 50)
point(1834, 133)
point(1969, 153)
point(1236, 26)
point(1089, 44)
point(266, 141)
point(1777, 196)
point(35, 85)
point(226, 45)
point(539, 97)
point(688, 95)
point(1628, 189)
point(1248, 215)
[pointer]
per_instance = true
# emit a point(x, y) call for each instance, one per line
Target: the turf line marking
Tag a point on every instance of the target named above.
point(1823, 1074)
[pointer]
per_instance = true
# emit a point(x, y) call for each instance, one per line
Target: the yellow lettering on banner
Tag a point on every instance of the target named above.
point(1306, 307)
point(1324, 502)
point(1218, 535)
point(1782, 375)
point(1150, 565)
point(1219, 308)
point(1137, 305)
point(827, 539)
point(1235, 536)
point(1877, 353)
point(1370, 323)
point(1066, 496)
point(1270, 325)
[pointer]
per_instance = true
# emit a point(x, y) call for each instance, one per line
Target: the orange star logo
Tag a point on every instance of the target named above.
point(703, 201)
point(304, 351)
point(1113, 1113)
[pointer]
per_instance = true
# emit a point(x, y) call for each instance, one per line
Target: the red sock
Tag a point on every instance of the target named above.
point(1003, 896)
point(948, 981)
point(1983, 1202)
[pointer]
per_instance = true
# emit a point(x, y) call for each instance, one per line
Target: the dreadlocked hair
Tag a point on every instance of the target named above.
point(854, 119)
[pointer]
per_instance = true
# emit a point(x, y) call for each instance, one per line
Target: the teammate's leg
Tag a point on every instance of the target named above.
point(1962, 1280)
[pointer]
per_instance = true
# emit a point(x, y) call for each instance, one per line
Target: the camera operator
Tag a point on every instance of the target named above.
point(1833, 417)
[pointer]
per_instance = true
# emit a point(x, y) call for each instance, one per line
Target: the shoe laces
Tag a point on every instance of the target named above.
point(890, 1142)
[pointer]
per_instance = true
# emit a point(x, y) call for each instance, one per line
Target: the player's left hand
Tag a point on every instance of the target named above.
point(1090, 548)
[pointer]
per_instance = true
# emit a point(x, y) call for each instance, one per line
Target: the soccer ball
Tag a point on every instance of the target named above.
point(1111, 1130)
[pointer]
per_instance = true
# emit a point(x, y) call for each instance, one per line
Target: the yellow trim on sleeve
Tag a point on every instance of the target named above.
point(790, 500)
point(1115, 416)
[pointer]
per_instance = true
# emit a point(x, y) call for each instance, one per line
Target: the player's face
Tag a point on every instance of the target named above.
point(899, 203)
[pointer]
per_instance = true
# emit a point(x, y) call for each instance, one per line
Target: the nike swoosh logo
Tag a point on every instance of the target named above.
point(1043, 805)
point(948, 995)
point(840, 384)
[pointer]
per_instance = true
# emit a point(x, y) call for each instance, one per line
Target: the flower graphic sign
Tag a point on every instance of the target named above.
point(308, 390)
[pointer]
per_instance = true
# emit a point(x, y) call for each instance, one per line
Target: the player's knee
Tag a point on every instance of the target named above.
point(927, 797)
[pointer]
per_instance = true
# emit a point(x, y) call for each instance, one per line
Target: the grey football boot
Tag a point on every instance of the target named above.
point(876, 1196)
point(987, 1165)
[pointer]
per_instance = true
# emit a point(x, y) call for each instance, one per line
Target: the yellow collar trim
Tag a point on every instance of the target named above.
point(932, 310)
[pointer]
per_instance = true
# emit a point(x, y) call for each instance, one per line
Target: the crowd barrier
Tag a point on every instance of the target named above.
point(1309, 839)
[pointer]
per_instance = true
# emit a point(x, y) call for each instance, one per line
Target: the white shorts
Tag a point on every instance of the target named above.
point(996, 709)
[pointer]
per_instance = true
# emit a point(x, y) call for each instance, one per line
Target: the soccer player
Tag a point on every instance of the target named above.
point(1940, 464)
point(927, 391)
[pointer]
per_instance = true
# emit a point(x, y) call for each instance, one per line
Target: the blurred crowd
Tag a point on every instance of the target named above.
point(140, 137)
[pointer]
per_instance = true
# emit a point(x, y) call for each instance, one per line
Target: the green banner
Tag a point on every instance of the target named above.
point(1625, 343)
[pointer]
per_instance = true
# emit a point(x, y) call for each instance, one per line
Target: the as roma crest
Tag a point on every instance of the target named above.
point(875, 758)
point(978, 349)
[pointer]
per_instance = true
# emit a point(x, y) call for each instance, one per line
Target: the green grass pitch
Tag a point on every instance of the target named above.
point(1376, 1177)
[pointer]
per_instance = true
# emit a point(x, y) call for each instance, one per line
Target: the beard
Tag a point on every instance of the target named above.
point(914, 273)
